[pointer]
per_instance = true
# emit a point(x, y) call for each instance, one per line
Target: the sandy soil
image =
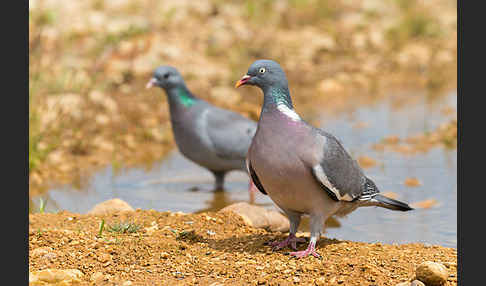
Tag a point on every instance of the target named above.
point(211, 249)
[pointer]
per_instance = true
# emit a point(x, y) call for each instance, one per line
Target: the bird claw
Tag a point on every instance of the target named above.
point(291, 241)
point(311, 250)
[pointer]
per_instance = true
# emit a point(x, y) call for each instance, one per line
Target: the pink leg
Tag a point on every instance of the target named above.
point(252, 189)
point(311, 250)
point(290, 240)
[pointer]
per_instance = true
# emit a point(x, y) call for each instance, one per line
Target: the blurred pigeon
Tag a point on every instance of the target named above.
point(214, 138)
point(304, 170)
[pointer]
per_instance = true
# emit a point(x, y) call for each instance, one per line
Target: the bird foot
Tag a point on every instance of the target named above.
point(311, 250)
point(290, 240)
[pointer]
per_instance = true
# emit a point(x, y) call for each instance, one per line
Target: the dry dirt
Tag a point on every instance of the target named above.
point(212, 249)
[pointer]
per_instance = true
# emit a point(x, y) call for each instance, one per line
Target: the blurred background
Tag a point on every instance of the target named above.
point(379, 74)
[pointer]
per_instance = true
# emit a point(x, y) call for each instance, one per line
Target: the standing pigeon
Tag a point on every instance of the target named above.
point(304, 170)
point(214, 138)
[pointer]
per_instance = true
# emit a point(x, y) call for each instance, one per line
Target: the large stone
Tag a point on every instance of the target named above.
point(109, 206)
point(55, 277)
point(413, 283)
point(259, 217)
point(417, 283)
point(41, 251)
point(432, 273)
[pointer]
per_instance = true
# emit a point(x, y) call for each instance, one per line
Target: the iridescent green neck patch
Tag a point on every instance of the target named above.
point(275, 97)
point(185, 98)
point(281, 97)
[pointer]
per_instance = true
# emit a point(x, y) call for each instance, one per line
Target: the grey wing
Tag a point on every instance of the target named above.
point(338, 173)
point(230, 133)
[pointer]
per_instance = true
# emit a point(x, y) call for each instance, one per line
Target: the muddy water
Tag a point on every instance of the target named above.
point(177, 184)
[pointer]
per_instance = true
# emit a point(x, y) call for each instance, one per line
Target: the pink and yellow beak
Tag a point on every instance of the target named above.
point(243, 80)
point(150, 83)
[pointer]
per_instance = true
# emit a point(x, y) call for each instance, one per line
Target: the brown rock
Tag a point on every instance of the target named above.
point(320, 281)
point(366, 162)
point(412, 182)
point(424, 204)
point(277, 221)
point(417, 283)
point(66, 276)
point(259, 217)
point(432, 273)
point(41, 251)
point(164, 255)
point(392, 139)
point(104, 257)
point(110, 206)
point(390, 195)
point(97, 277)
point(152, 228)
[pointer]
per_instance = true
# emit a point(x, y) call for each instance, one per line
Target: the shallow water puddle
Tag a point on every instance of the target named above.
point(177, 184)
point(436, 170)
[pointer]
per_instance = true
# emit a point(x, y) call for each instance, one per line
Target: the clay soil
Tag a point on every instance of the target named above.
point(212, 249)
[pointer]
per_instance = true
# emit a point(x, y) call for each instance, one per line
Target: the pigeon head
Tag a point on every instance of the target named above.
point(166, 77)
point(264, 74)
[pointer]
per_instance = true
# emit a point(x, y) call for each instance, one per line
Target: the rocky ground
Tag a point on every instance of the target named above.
point(146, 247)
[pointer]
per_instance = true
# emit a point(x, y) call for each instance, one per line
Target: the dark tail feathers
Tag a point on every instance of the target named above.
point(391, 204)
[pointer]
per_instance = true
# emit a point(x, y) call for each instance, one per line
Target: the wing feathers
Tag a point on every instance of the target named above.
point(333, 192)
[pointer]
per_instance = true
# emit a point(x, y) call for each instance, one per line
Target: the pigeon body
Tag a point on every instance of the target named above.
point(303, 169)
point(214, 138)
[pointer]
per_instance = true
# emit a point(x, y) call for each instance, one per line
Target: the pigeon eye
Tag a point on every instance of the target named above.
point(166, 76)
point(261, 70)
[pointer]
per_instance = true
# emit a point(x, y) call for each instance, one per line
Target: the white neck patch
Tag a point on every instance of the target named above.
point(288, 112)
